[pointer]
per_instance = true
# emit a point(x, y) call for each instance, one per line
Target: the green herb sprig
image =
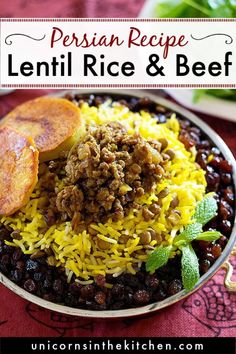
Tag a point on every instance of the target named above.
point(204, 212)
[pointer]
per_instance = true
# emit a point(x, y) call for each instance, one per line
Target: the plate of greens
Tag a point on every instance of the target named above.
point(218, 102)
point(188, 8)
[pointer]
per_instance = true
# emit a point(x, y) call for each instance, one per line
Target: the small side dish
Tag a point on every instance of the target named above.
point(208, 104)
point(131, 202)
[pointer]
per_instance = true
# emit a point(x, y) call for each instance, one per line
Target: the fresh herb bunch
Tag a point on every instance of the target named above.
point(196, 8)
point(205, 211)
point(226, 94)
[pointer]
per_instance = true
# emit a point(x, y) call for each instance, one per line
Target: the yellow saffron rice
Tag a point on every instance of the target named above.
point(80, 253)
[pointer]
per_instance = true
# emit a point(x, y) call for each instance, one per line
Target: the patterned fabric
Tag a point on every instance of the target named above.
point(70, 8)
point(208, 312)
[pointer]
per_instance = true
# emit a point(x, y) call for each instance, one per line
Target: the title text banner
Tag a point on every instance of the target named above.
point(62, 53)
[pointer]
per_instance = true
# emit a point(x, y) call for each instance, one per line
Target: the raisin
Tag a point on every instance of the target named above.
point(17, 254)
point(216, 251)
point(30, 286)
point(225, 227)
point(226, 178)
point(225, 166)
point(100, 280)
point(58, 286)
point(87, 292)
point(31, 265)
point(5, 260)
point(16, 275)
point(152, 282)
point(100, 297)
point(174, 287)
point(38, 276)
point(75, 288)
point(118, 291)
point(204, 265)
point(141, 297)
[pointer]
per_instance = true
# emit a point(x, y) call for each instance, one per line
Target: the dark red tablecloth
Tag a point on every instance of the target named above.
point(211, 311)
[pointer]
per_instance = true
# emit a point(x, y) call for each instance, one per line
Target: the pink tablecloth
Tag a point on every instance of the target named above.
point(70, 8)
point(209, 312)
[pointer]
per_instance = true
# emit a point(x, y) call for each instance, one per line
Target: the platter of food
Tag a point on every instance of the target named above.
point(112, 204)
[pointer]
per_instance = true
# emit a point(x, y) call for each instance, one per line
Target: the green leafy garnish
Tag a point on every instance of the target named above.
point(225, 94)
point(195, 8)
point(189, 234)
point(205, 210)
point(189, 267)
point(158, 258)
point(209, 236)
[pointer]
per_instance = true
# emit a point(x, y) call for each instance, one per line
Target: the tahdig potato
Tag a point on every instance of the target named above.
point(19, 170)
point(54, 124)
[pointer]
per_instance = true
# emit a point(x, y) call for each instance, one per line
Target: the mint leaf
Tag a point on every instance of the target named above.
point(209, 236)
point(205, 210)
point(189, 267)
point(158, 258)
point(189, 234)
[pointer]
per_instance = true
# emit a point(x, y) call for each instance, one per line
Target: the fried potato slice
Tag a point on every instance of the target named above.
point(52, 122)
point(18, 170)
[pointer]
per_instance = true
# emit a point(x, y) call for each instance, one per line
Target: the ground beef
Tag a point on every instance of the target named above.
point(107, 171)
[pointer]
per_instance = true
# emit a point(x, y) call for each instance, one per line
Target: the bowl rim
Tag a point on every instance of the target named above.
point(137, 311)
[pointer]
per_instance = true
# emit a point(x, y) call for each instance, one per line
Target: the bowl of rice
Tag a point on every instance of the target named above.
point(134, 213)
